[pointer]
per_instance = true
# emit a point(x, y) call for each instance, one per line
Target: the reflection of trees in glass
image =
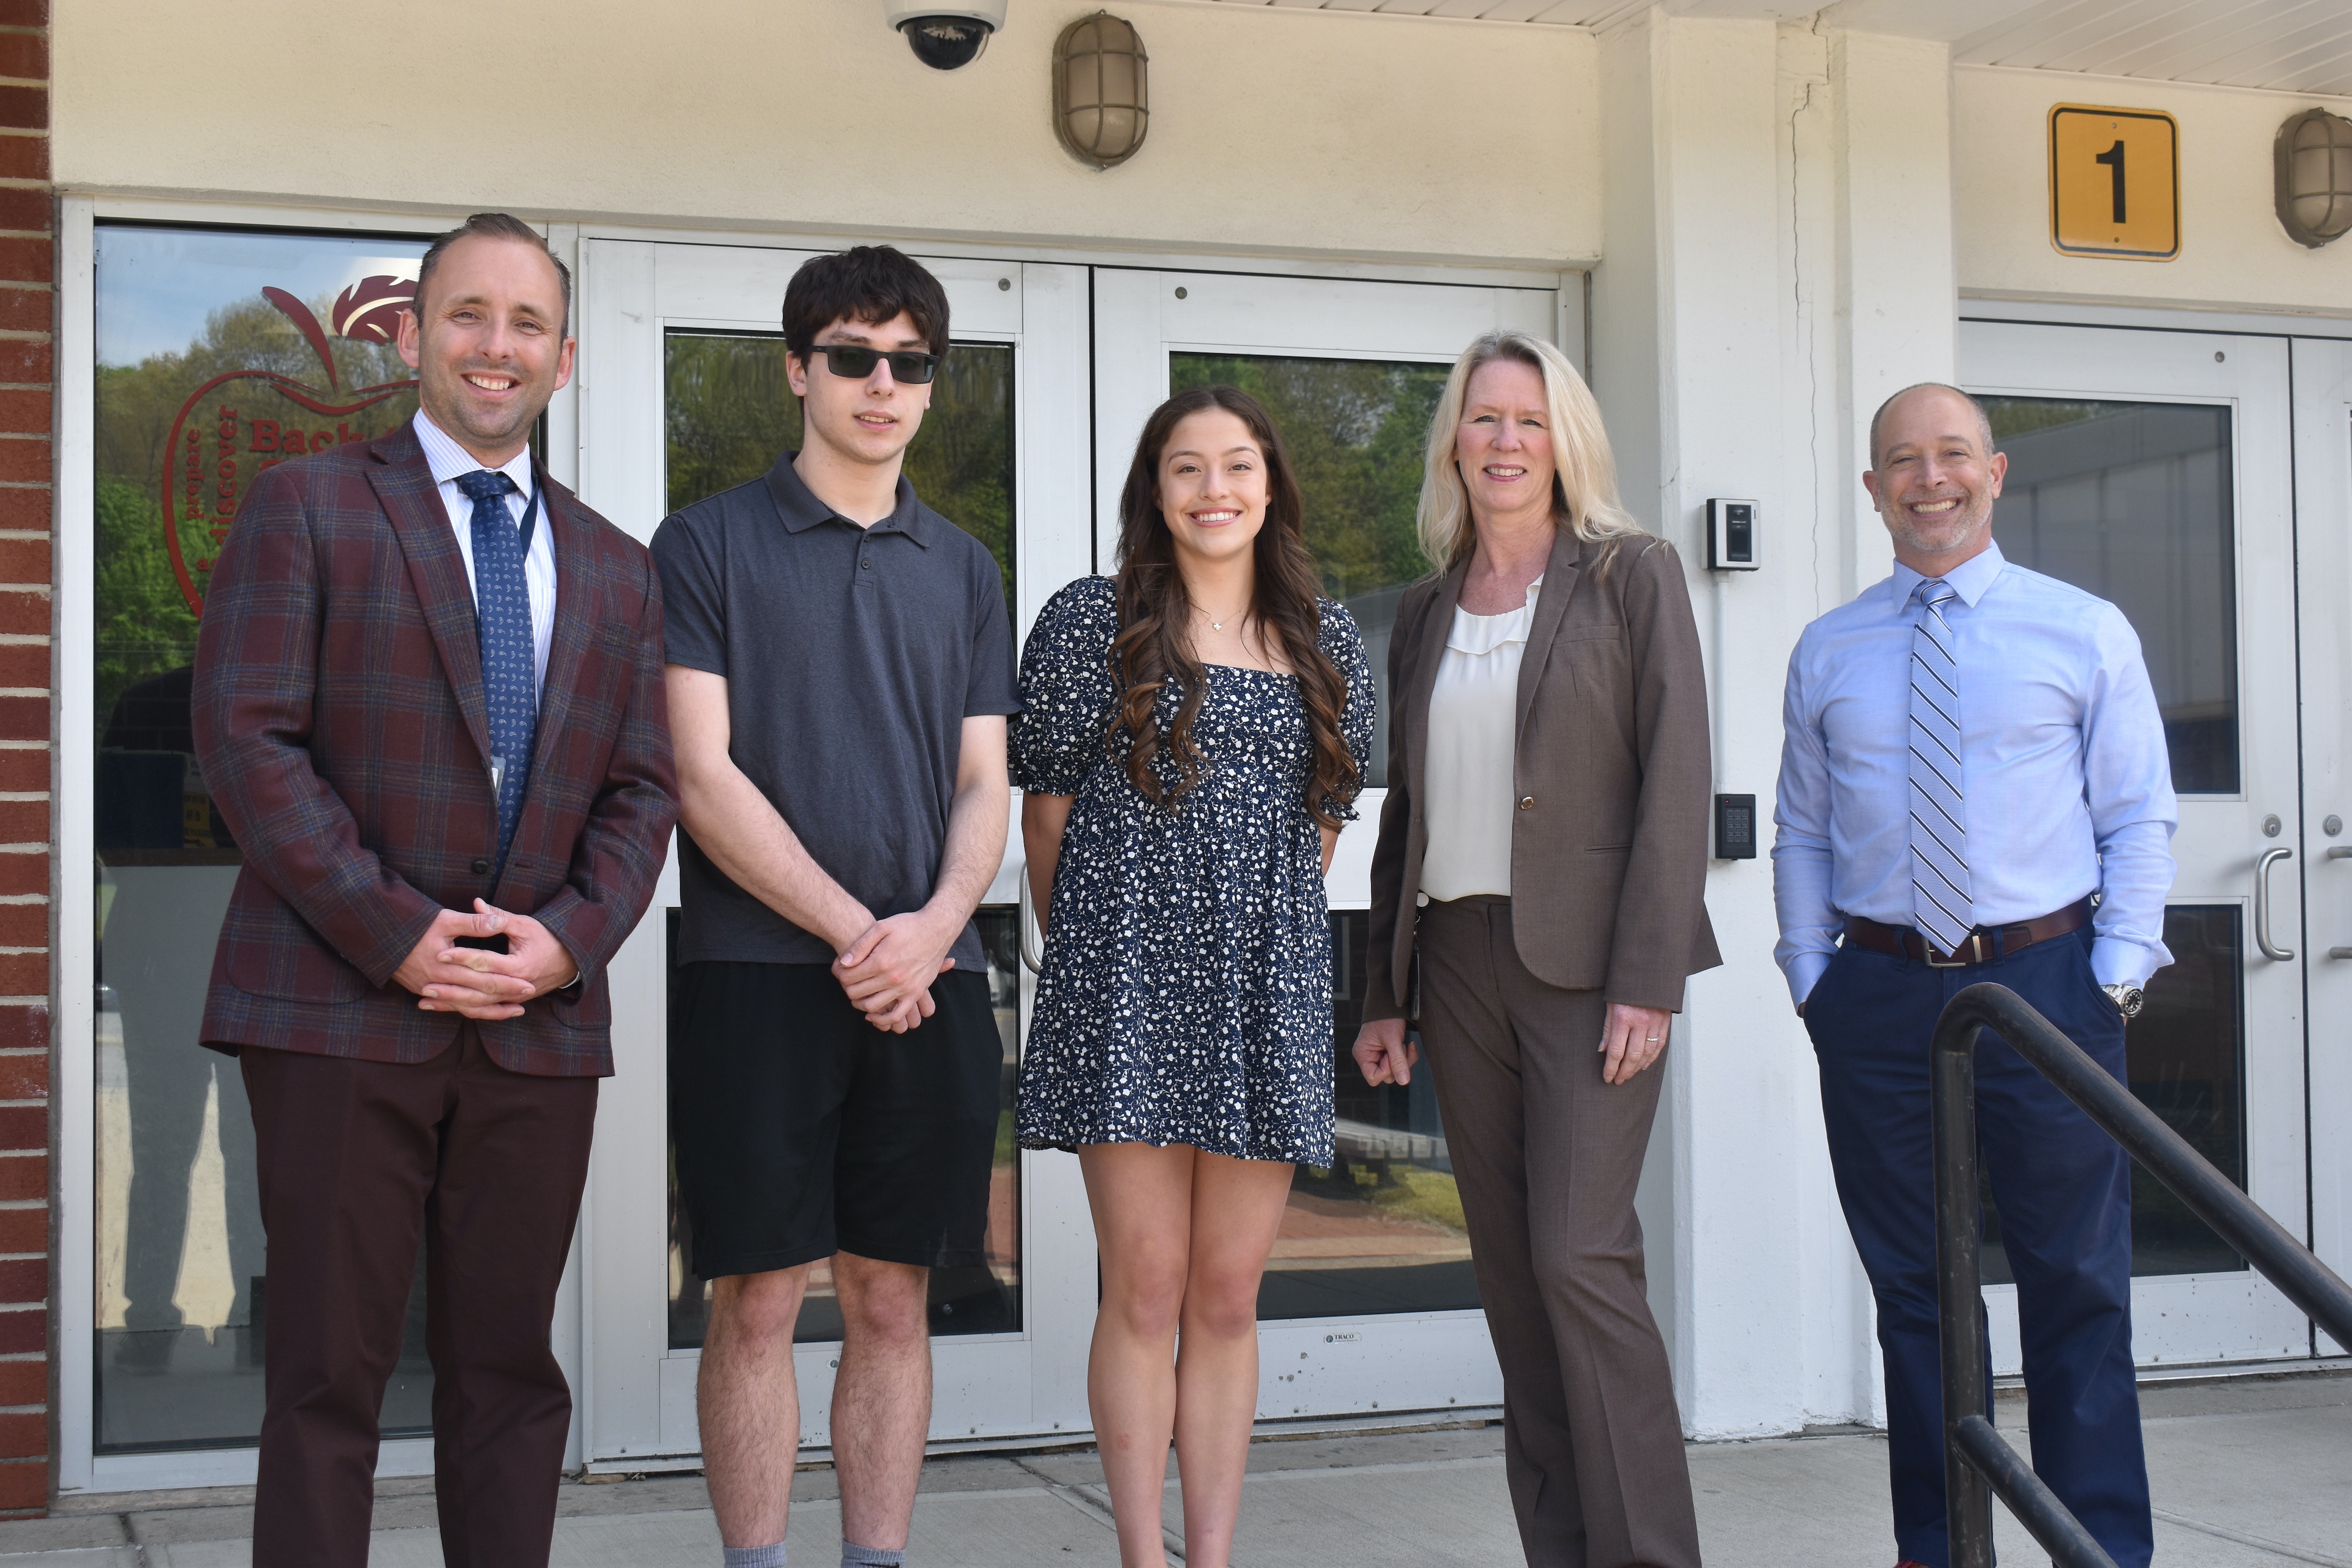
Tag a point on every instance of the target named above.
point(145, 623)
point(1357, 431)
point(2019, 415)
point(731, 412)
point(136, 404)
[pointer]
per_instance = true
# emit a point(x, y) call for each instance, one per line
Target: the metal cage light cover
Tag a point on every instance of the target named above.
point(1102, 99)
point(2314, 153)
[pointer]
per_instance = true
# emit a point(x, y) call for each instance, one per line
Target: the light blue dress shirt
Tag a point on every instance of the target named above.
point(446, 459)
point(2068, 788)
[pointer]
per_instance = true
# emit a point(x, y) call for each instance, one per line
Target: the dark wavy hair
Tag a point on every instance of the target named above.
point(868, 283)
point(1154, 645)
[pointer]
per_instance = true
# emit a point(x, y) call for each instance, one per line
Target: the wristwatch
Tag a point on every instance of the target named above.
point(2128, 1000)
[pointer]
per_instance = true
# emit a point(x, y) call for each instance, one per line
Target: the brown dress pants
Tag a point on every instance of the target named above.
point(1547, 1157)
point(356, 1160)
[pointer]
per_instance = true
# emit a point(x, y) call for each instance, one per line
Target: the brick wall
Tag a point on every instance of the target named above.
point(27, 313)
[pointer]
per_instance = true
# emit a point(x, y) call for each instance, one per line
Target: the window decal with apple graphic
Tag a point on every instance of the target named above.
point(223, 438)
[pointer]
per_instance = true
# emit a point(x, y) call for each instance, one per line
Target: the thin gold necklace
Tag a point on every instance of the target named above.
point(1216, 625)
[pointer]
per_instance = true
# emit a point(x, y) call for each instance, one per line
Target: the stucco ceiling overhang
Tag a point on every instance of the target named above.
point(2283, 45)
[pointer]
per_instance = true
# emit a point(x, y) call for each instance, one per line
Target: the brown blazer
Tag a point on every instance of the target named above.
point(1608, 847)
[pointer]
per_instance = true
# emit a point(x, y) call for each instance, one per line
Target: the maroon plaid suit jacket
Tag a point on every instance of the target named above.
point(341, 721)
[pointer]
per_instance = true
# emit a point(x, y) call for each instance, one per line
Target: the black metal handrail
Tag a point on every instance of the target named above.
point(1975, 1457)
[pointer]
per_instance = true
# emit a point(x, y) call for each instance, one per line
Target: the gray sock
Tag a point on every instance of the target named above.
point(755, 1556)
point(855, 1556)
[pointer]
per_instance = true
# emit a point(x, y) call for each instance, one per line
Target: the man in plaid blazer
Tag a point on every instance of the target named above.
point(412, 970)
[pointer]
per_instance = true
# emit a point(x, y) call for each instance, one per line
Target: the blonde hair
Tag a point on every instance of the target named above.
point(1584, 474)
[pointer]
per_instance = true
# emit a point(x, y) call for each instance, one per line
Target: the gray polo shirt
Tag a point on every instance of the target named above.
point(852, 657)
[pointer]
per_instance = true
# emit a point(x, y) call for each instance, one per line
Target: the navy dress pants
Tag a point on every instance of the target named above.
point(2063, 1189)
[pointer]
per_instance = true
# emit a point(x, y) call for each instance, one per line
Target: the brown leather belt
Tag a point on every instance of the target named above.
point(1986, 944)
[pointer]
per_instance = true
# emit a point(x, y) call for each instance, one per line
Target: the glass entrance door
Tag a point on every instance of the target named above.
point(2154, 470)
point(219, 354)
point(2323, 470)
point(683, 394)
point(1371, 1304)
point(1368, 1302)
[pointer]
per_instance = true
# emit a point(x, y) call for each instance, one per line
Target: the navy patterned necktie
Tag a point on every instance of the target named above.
point(509, 667)
point(1940, 904)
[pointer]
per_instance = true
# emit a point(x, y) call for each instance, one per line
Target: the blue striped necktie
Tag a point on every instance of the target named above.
point(509, 667)
point(1940, 904)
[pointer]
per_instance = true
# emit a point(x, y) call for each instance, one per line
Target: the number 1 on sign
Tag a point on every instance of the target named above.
point(2113, 158)
point(2115, 182)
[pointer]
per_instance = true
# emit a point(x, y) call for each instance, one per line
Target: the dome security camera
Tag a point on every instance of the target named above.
point(945, 36)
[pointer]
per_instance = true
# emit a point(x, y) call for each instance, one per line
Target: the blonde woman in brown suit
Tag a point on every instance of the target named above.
point(1538, 884)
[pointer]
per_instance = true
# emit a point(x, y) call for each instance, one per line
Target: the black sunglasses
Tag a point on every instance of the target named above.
point(912, 366)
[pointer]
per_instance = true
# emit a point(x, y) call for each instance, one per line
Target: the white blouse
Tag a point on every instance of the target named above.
point(1468, 773)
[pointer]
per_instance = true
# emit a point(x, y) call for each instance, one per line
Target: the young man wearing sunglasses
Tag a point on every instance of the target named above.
point(840, 667)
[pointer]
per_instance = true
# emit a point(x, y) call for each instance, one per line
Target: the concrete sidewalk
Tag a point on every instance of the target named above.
point(2247, 1473)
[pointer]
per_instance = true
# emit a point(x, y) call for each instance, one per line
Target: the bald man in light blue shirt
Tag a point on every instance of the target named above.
point(2069, 788)
point(1974, 787)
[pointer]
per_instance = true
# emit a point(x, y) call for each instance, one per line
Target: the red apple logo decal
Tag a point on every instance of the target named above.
point(369, 312)
point(237, 424)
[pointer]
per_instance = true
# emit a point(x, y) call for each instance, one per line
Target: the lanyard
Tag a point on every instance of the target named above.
point(529, 515)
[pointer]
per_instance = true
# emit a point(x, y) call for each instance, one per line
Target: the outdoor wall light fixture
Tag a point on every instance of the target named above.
point(2313, 155)
point(945, 34)
point(1102, 97)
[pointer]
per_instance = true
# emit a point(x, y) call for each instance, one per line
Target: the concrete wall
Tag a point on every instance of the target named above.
point(1780, 243)
point(1272, 130)
point(1686, 328)
point(2233, 253)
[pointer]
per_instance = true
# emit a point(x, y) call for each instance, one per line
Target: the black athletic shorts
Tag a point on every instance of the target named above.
point(803, 1131)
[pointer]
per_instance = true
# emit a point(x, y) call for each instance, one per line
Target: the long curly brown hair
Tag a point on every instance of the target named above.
point(1154, 645)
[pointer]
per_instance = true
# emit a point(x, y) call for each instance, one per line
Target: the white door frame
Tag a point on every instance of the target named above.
point(2206, 1318)
point(619, 1399)
point(80, 1469)
point(1312, 1367)
point(637, 1400)
point(2323, 469)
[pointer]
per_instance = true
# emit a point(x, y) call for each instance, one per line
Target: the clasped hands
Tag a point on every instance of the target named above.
point(479, 982)
point(1630, 1042)
point(887, 971)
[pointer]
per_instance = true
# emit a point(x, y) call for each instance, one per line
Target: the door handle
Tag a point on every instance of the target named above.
point(2337, 853)
point(2271, 949)
point(1027, 922)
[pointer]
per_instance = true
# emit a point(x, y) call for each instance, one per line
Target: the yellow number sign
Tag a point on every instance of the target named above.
point(2115, 182)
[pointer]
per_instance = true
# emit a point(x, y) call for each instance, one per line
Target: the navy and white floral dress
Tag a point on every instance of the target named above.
point(1187, 989)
